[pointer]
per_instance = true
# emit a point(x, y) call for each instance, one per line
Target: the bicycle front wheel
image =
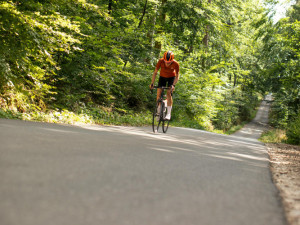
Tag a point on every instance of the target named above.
point(156, 120)
point(165, 123)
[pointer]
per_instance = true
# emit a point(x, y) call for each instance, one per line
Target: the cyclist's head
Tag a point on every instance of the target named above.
point(168, 56)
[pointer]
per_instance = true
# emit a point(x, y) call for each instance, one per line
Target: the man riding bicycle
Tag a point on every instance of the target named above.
point(169, 75)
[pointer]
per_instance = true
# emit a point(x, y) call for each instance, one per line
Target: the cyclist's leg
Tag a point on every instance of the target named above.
point(159, 90)
point(169, 98)
point(169, 107)
point(161, 83)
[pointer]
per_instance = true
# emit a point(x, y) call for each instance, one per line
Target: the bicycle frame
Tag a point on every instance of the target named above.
point(162, 112)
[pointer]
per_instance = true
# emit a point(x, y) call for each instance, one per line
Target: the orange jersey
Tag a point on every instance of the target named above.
point(169, 71)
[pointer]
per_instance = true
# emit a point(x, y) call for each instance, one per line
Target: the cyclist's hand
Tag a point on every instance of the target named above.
point(173, 88)
point(151, 86)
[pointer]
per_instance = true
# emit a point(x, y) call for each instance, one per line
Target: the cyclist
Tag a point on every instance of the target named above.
point(169, 74)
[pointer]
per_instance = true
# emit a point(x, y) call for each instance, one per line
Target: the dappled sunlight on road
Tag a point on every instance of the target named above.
point(247, 156)
point(122, 171)
point(223, 157)
point(196, 142)
point(162, 150)
point(57, 130)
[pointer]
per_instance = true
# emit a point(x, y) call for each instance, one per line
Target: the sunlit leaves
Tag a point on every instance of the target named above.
point(80, 53)
point(30, 40)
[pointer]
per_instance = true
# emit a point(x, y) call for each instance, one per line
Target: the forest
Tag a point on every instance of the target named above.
point(92, 61)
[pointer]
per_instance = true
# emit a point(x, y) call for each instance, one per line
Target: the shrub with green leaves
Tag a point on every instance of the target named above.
point(293, 131)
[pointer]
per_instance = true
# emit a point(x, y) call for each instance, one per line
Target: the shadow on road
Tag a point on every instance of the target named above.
point(190, 141)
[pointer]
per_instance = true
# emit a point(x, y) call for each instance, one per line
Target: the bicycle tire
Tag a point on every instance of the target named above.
point(156, 119)
point(165, 123)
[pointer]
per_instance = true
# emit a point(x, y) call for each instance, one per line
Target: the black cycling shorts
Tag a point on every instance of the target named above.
point(163, 81)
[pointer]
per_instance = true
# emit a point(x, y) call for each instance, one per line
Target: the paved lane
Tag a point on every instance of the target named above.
point(254, 129)
point(59, 174)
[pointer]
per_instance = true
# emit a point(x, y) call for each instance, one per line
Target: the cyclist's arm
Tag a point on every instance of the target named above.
point(176, 78)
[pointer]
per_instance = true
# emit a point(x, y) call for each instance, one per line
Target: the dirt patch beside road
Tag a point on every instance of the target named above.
point(285, 167)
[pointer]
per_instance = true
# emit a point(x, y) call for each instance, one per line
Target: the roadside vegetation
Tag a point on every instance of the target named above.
point(91, 61)
point(273, 136)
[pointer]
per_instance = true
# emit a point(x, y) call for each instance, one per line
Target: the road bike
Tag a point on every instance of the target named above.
point(160, 112)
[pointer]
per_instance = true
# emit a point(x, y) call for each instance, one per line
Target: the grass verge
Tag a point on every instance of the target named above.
point(91, 116)
point(274, 136)
point(103, 116)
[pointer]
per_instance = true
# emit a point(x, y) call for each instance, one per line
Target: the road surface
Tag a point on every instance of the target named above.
point(97, 175)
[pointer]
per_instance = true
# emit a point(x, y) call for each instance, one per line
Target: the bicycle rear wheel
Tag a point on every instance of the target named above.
point(156, 120)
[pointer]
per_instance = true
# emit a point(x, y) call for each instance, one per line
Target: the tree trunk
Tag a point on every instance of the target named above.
point(158, 44)
point(144, 12)
point(235, 80)
point(109, 6)
point(140, 23)
point(206, 37)
point(205, 41)
point(151, 33)
point(163, 15)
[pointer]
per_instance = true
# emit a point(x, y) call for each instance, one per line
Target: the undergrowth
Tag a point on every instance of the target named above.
point(89, 117)
point(109, 116)
point(274, 136)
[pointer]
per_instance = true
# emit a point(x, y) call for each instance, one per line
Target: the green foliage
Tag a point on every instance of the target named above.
point(94, 58)
point(235, 128)
point(293, 131)
point(88, 116)
point(29, 40)
point(281, 70)
point(279, 114)
point(8, 114)
point(235, 109)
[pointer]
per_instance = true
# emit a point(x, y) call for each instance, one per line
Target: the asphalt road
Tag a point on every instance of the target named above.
point(81, 175)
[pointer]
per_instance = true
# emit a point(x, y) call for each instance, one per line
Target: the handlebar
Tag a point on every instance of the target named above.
point(163, 88)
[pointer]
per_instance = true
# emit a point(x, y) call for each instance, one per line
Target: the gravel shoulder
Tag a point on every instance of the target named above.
point(285, 168)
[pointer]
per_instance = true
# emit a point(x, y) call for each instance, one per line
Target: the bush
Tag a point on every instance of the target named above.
point(293, 131)
point(235, 109)
point(9, 114)
point(279, 114)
